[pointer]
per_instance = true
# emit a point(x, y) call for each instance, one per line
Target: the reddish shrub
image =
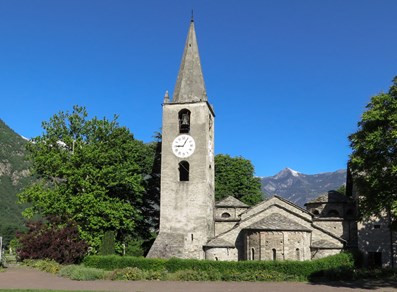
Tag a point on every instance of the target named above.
point(57, 239)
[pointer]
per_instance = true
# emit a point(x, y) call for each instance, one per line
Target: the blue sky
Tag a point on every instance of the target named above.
point(288, 79)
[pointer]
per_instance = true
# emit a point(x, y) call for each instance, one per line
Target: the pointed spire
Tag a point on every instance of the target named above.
point(166, 97)
point(189, 85)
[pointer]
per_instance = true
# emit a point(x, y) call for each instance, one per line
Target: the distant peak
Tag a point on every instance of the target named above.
point(287, 171)
point(293, 172)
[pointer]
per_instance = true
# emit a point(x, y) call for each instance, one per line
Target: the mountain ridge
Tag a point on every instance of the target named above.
point(14, 176)
point(300, 188)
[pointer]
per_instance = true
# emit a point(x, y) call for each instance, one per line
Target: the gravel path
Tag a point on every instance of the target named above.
point(27, 278)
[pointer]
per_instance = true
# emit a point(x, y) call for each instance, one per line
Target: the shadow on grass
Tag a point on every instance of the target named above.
point(356, 278)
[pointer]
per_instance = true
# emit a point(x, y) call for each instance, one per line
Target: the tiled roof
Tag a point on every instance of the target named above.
point(231, 202)
point(324, 244)
point(330, 197)
point(277, 222)
point(219, 242)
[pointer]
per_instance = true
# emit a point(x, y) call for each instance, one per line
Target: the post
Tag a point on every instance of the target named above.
point(1, 250)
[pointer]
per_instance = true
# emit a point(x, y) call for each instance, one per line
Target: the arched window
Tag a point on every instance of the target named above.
point(183, 171)
point(298, 254)
point(225, 215)
point(274, 254)
point(184, 121)
point(333, 213)
point(252, 254)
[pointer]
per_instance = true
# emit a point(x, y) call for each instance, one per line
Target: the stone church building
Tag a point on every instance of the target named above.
point(193, 225)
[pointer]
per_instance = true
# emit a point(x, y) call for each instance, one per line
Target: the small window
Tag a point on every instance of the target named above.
point(184, 121)
point(316, 212)
point(252, 254)
point(298, 255)
point(225, 215)
point(274, 254)
point(376, 226)
point(184, 171)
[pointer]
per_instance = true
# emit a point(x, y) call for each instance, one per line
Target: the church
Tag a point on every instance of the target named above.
point(194, 226)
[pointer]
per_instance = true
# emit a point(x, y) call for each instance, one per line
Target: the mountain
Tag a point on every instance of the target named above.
point(14, 176)
point(301, 188)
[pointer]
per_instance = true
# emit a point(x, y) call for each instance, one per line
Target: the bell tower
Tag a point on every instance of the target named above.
point(187, 163)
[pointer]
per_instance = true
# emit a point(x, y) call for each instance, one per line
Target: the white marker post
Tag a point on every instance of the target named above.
point(1, 249)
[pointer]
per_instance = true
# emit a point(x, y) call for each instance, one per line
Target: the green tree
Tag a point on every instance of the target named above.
point(91, 171)
point(373, 161)
point(234, 176)
point(107, 245)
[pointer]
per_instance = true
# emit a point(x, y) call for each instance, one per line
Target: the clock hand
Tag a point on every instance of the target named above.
point(183, 145)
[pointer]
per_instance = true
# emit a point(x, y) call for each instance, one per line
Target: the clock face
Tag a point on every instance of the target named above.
point(183, 146)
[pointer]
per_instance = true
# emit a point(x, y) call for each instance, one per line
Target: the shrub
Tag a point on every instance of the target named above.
point(110, 263)
point(193, 270)
point(156, 275)
point(108, 245)
point(52, 240)
point(191, 275)
point(133, 247)
point(81, 273)
point(46, 265)
point(129, 274)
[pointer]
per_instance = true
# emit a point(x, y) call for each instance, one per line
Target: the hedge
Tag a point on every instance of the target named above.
point(114, 262)
point(296, 269)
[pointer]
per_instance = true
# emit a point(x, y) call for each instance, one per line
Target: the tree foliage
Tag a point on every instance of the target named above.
point(53, 239)
point(108, 244)
point(234, 176)
point(373, 161)
point(92, 171)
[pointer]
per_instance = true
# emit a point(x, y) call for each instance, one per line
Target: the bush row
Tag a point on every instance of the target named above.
point(49, 266)
point(82, 273)
point(294, 269)
point(326, 270)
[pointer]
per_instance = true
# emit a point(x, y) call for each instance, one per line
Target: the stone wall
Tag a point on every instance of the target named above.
point(221, 253)
point(234, 212)
point(287, 244)
point(187, 207)
point(278, 245)
point(377, 243)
